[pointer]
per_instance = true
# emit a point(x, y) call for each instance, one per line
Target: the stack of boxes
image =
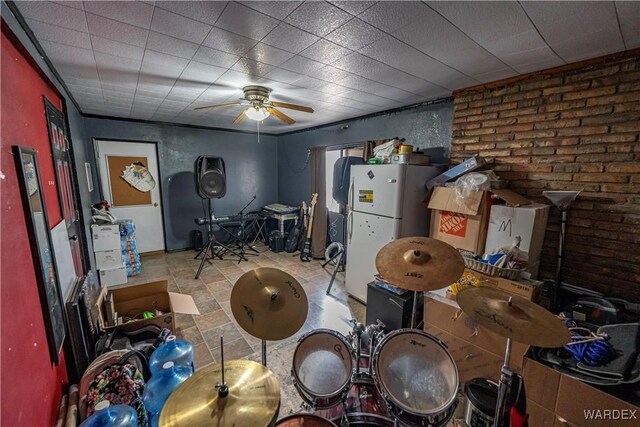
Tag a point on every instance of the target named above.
point(108, 253)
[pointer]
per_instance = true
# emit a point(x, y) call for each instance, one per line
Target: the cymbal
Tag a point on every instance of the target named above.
point(253, 399)
point(269, 303)
point(419, 263)
point(521, 320)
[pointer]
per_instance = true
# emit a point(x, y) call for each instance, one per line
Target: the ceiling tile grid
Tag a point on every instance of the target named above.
point(160, 60)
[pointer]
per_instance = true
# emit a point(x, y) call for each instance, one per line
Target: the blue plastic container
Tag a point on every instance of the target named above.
point(160, 387)
point(180, 352)
point(112, 416)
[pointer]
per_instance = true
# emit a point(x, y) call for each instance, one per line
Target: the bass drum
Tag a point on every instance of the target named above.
point(306, 420)
point(364, 406)
point(322, 367)
point(417, 377)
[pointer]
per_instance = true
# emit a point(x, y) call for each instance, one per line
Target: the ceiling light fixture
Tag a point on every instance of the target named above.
point(257, 113)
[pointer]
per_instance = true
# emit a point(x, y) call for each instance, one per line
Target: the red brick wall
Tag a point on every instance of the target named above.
point(574, 128)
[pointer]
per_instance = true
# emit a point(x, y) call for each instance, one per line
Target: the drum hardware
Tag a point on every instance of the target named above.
point(480, 402)
point(306, 420)
point(338, 257)
point(516, 319)
point(374, 331)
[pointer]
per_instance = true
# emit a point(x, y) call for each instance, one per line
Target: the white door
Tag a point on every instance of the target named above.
point(366, 236)
point(377, 189)
point(143, 207)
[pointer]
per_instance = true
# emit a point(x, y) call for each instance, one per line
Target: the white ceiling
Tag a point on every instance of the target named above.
point(159, 60)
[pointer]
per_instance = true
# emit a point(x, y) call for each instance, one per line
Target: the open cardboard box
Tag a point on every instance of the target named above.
point(527, 289)
point(132, 301)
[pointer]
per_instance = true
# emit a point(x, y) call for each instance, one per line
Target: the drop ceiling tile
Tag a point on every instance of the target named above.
point(82, 82)
point(68, 55)
point(276, 9)
point(84, 74)
point(171, 45)
point(301, 65)
point(355, 34)
point(156, 63)
point(353, 7)
point(131, 12)
point(54, 14)
point(115, 30)
point(61, 35)
point(100, 44)
point(84, 90)
point(289, 38)
point(629, 16)
point(391, 16)
point(251, 67)
point(523, 60)
point(247, 22)
point(215, 57)
point(325, 51)
point(495, 75)
point(203, 74)
point(73, 3)
point(285, 76)
point(362, 84)
point(575, 30)
point(318, 17)
point(268, 54)
point(537, 64)
point(330, 74)
point(310, 82)
point(228, 42)
point(178, 26)
point(203, 11)
point(235, 79)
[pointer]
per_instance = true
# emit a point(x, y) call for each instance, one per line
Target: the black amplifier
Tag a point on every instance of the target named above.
point(392, 309)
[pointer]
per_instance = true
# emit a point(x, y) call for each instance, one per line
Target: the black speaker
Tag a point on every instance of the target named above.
point(342, 177)
point(211, 182)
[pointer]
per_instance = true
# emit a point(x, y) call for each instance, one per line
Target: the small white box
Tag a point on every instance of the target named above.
point(105, 237)
point(108, 259)
point(113, 276)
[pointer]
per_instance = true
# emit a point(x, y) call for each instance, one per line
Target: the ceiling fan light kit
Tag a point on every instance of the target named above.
point(256, 98)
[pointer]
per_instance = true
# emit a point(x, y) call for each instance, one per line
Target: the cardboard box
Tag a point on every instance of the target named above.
point(527, 289)
point(113, 276)
point(464, 225)
point(539, 416)
point(105, 237)
point(446, 315)
point(132, 301)
point(108, 259)
point(573, 402)
point(528, 221)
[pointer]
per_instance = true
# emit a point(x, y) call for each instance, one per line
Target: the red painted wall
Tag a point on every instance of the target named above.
point(31, 386)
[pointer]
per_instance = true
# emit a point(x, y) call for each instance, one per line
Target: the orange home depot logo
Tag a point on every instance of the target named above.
point(453, 223)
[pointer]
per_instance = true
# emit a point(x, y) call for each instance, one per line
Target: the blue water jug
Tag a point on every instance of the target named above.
point(180, 352)
point(160, 387)
point(112, 416)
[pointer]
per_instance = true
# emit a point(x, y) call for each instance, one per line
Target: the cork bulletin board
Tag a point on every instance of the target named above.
point(122, 193)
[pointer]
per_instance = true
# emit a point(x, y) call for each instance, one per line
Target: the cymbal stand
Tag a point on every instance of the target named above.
point(264, 353)
point(243, 232)
point(506, 379)
point(414, 310)
point(223, 389)
point(358, 330)
point(339, 264)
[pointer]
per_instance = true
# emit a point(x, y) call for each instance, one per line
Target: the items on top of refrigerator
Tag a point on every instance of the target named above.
point(468, 165)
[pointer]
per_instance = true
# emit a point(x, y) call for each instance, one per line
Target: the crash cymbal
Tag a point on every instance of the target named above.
point(269, 303)
point(419, 263)
point(253, 399)
point(513, 317)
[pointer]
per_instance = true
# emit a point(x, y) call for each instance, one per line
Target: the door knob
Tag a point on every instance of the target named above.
point(155, 204)
point(74, 238)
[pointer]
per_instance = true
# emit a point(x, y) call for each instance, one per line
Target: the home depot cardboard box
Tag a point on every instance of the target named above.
point(132, 301)
point(463, 224)
point(574, 402)
point(529, 221)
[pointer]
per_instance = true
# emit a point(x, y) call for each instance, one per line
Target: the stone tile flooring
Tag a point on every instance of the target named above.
point(211, 293)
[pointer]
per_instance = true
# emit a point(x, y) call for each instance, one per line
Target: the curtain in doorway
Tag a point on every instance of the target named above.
point(318, 182)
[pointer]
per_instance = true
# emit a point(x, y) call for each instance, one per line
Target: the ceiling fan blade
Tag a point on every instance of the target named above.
point(292, 106)
point(228, 104)
point(239, 119)
point(281, 116)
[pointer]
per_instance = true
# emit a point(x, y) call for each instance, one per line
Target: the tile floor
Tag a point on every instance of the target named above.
point(211, 293)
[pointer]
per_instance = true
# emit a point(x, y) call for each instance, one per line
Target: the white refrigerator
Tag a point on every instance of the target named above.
point(386, 203)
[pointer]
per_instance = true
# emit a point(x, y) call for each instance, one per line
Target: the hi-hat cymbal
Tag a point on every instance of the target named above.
point(419, 263)
point(253, 399)
point(269, 303)
point(513, 317)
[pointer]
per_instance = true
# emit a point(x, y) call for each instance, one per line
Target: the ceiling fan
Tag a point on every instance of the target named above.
point(256, 99)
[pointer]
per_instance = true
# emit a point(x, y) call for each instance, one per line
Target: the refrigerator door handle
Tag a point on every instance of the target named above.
point(351, 193)
point(350, 225)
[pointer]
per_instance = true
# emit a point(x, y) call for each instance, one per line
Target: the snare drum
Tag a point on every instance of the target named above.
point(364, 406)
point(417, 377)
point(306, 420)
point(322, 368)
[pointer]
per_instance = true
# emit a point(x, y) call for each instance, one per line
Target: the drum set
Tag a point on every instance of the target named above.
point(367, 377)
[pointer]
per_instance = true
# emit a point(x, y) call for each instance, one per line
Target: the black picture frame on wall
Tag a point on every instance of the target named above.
point(41, 248)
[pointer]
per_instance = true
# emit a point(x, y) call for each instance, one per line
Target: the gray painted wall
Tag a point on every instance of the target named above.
point(425, 127)
point(251, 169)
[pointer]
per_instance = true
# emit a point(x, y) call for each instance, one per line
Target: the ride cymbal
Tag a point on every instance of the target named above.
point(253, 399)
point(419, 263)
point(269, 303)
point(513, 317)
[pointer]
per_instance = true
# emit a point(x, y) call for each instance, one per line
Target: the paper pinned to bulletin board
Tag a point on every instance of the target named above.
point(123, 193)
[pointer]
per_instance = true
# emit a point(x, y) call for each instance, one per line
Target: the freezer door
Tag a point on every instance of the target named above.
point(367, 235)
point(377, 189)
